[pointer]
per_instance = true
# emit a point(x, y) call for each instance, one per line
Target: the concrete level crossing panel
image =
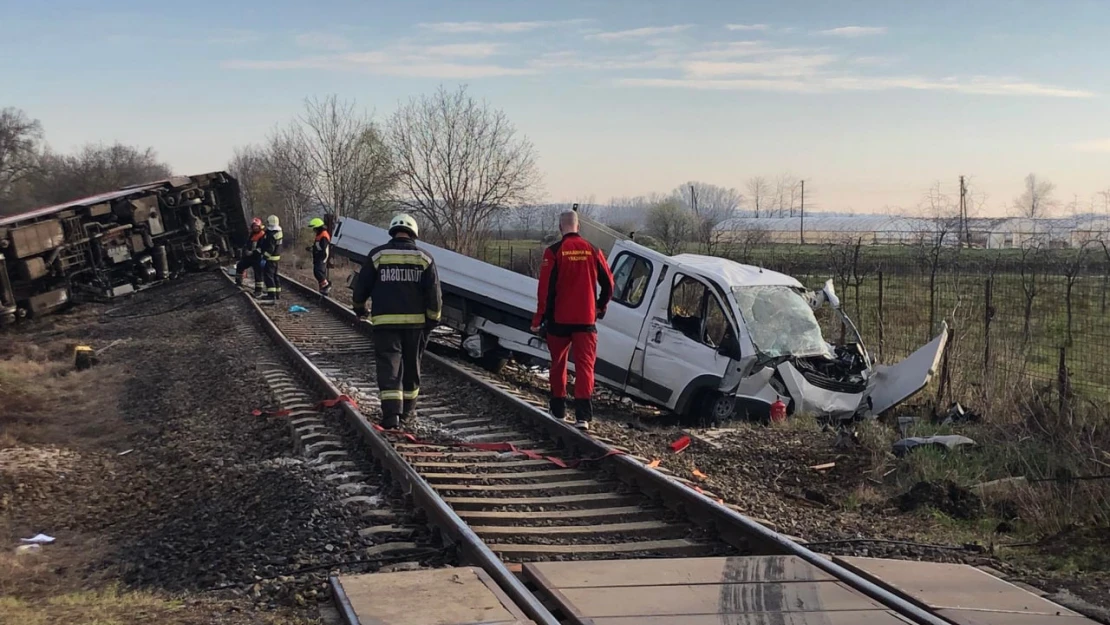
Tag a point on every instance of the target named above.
point(783, 590)
point(964, 594)
point(447, 596)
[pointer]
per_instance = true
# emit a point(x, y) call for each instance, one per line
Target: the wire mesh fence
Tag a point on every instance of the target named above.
point(1034, 316)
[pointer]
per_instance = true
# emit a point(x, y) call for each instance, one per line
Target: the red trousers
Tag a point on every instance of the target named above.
point(585, 353)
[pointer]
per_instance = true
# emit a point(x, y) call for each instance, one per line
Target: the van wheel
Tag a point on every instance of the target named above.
point(713, 407)
point(493, 362)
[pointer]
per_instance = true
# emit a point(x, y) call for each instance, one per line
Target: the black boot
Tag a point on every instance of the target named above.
point(583, 413)
point(558, 407)
point(390, 422)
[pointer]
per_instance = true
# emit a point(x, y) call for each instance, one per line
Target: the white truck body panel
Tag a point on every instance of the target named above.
point(641, 352)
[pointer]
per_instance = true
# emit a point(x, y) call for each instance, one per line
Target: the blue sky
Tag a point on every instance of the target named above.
point(870, 102)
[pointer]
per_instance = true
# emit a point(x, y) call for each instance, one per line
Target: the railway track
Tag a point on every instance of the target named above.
point(503, 481)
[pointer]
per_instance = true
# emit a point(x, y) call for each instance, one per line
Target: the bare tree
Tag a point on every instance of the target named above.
point(739, 244)
point(710, 205)
point(342, 156)
point(527, 218)
point(251, 168)
point(670, 223)
point(787, 195)
point(20, 144)
point(459, 163)
point(96, 168)
point(1031, 253)
point(758, 190)
point(292, 188)
point(1037, 200)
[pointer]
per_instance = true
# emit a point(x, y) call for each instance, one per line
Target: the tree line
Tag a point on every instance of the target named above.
point(452, 160)
point(32, 174)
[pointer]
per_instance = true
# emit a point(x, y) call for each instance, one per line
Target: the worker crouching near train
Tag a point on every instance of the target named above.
point(252, 257)
point(321, 251)
point(402, 285)
point(271, 256)
point(568, 307)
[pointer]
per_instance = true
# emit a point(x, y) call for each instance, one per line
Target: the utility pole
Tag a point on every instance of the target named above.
point(964, 231)
point(802, 213)
point(693, 200)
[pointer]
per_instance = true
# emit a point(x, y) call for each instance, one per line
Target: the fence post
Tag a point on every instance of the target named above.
point(530, 262)
point(988, 315)
point(882, 319)
point(512, 265)
point(1063, 382)
point(944, 375)
point(1105, 286)
point(499, 254)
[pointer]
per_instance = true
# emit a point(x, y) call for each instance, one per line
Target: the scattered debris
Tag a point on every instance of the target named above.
point(125, 452)
point(83, 357)
point(110, 346)
point(682, 443)
point(947, 442)
point(296, 308)
point(823, 467)
point(699, 475)
point(38, 539)
point(653, 463)
point(957, 414)
point(25, 549)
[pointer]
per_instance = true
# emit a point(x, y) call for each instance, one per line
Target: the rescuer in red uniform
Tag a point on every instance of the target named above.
point(568, 307)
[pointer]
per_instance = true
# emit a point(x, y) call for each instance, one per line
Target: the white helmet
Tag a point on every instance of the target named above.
point(404, 222)
point(272, 222)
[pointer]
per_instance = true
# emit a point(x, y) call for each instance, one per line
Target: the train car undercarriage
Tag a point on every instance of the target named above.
point(116, 243)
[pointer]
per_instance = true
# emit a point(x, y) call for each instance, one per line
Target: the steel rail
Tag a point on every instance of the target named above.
point(472, 550)
point(733, 527)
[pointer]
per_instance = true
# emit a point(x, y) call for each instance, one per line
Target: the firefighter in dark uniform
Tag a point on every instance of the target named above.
point(252, 256)
point(271, 256)
point(402, 284)
point(321, 252)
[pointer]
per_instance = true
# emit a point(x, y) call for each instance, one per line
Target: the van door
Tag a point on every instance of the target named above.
point(634, 277)
point(687, 327)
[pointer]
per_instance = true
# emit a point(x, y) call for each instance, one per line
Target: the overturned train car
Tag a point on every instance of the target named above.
point(116, 243)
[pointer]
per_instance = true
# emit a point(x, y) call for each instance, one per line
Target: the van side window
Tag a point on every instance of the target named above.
point(716, 324)
point(687, 307)
point(630, 279)
point(697, 313)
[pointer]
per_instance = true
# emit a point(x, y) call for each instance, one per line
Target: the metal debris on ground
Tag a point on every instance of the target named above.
point(947, 443)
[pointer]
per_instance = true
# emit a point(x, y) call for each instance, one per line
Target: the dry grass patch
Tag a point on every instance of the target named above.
point(47, 402)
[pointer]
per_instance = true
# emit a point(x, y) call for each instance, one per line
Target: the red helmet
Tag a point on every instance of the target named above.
point(256, 223)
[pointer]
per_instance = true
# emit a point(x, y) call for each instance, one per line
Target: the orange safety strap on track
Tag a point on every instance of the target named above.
point(331, 403)
point(503, 448)
point(327, 403)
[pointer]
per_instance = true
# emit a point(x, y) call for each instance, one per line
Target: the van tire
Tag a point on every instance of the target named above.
point(712, 407)
point(493, 362)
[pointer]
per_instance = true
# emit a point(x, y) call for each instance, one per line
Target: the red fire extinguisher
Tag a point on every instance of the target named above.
point(778, 411)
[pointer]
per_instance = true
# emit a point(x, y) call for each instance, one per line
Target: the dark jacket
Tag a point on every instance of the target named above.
point(567, 298)
point(321, 248)
point(253, 248)
point(271, 246)
point(403, 285)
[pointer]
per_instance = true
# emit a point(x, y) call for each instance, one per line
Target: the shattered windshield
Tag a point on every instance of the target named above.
point(780, 321)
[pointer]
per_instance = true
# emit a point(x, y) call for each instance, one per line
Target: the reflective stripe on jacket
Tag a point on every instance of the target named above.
point(271, 245)
point(402, 285)
point(321, 247)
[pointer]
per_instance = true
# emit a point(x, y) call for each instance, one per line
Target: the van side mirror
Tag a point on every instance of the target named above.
point(730, 347)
